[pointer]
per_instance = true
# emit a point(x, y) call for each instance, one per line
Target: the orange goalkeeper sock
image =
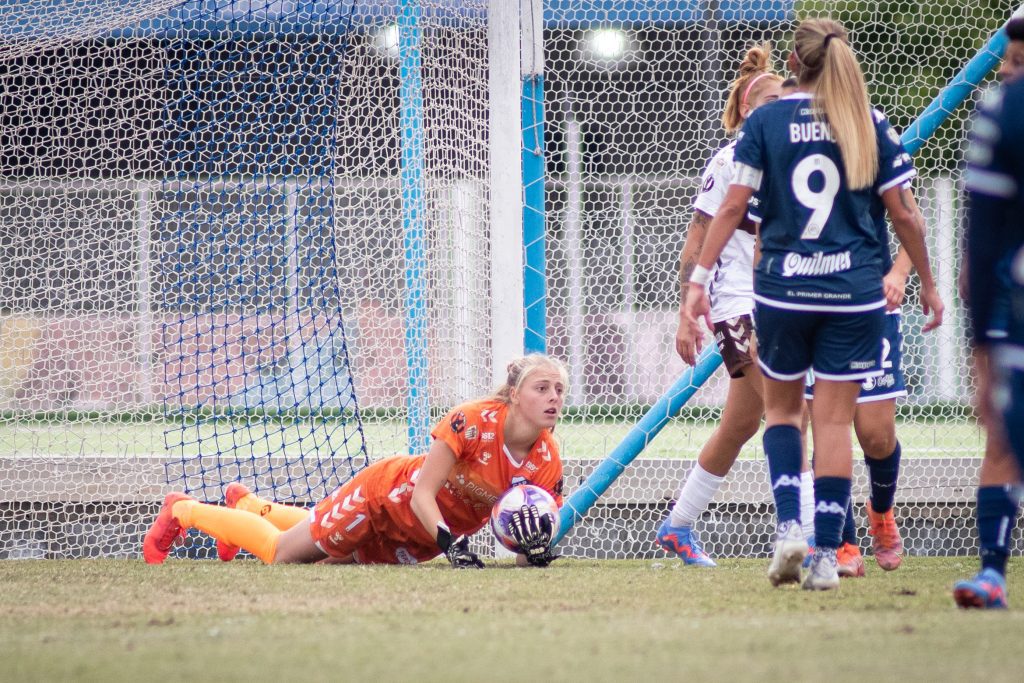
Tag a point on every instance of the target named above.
point(236, 527)
point(283, 517)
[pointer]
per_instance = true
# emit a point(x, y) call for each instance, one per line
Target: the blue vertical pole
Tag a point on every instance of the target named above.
point(534, 265)
point(413, 223)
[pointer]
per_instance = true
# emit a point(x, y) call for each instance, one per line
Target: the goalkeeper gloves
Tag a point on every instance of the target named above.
point(457, 549)
point(532, 532)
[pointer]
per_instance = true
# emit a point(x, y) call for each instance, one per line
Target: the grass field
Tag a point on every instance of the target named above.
point(120, 620)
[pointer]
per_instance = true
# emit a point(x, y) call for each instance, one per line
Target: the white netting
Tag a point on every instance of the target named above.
point(635, 97)
point(206, 235)
point(175, 176)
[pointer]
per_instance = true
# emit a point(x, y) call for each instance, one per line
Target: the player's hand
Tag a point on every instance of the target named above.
point(457, 550)
point(686, 343)
point(532, 533)
point(697, 306)
point(931, 304)
point(895, 287)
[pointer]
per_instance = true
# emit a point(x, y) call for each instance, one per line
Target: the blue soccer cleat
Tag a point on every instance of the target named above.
point(683, 542)
point(987, 590)
point(810, 551)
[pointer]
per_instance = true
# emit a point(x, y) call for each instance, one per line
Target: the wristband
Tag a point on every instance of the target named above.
point(699, 276)
point(444, 537)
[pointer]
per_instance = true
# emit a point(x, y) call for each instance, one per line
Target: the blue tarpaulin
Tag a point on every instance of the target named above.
point(328, 16)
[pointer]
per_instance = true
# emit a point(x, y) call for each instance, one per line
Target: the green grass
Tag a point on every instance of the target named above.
point(579, 620)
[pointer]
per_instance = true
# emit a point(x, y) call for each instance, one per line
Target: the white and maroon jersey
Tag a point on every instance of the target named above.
point(731, 285)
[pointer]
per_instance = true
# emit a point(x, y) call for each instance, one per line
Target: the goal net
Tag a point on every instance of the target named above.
point(209, 219)
point(224, 226)
point(635, 95)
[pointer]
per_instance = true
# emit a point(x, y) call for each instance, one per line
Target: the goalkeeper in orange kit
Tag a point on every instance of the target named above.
point(405, 509)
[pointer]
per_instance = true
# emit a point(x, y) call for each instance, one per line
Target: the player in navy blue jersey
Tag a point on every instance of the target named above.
point(995, 232)
point(816, 159)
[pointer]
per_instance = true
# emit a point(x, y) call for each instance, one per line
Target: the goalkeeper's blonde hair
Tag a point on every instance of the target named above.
point(521, 368)
point(756, 72)
point(830, 70)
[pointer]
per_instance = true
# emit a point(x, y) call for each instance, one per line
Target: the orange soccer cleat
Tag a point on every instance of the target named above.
point(164, 531)
point(233, 493)
point(850, 563)
point(886, 544)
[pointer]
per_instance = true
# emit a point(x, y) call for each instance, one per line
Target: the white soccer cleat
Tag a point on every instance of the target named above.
point(823, 574)
point(790, 550)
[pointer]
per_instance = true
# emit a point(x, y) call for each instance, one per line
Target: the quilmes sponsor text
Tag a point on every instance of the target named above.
point(818, 263)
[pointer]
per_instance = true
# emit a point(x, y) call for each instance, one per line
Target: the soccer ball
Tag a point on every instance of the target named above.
point(515, 498)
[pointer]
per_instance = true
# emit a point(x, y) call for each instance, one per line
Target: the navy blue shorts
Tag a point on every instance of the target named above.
point(891, 384)
point(837, 346)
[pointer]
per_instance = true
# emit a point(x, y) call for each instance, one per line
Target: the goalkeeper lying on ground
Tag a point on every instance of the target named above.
point(404, 510)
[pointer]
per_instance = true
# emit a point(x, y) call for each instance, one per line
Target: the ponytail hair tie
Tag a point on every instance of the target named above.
point(828, 38)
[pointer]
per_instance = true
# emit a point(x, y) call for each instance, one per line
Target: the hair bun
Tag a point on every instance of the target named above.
point(757, 59)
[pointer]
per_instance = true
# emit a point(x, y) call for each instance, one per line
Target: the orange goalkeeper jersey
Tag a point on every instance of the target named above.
point(484, 468)
point(370, 514)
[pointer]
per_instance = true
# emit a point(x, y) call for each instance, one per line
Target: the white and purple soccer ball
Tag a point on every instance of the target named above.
point(514, 499)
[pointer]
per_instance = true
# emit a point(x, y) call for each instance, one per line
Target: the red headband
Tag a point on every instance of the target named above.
point(743, 100)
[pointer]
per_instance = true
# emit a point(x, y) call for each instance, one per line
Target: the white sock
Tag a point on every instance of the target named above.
point(807, 503)
point(695, 496)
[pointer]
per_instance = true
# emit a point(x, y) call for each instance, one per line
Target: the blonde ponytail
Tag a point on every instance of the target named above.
point(829, 68)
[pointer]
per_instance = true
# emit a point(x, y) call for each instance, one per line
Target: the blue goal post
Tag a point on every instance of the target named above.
point(668, 406)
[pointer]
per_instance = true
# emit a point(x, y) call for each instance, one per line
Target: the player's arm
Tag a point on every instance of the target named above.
point(436, 467)
point(895, 281)
point(723, 227)
point(696, 234)
point(435, 470)
point(908, 224)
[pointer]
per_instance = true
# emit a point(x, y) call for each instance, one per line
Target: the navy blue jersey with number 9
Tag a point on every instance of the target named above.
point(820, 245)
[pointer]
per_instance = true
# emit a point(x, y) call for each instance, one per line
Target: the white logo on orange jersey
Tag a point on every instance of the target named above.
point(544, 452)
